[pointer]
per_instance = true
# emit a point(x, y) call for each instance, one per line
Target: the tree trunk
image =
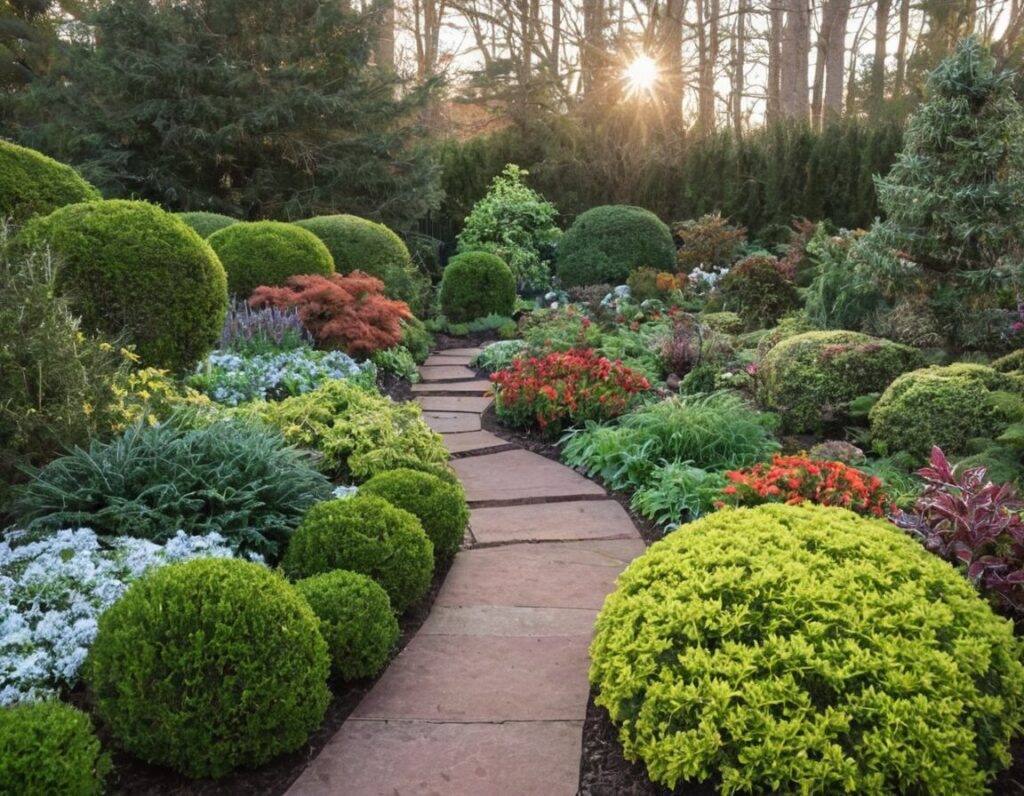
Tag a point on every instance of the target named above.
point(707, 54)
point(739, 43)
point(796, 46)
point(384, 47)
point(672, 42)
point(901, 49)
point(835, 61)
point(882, 8)
point(592, 46)
point(773, 110)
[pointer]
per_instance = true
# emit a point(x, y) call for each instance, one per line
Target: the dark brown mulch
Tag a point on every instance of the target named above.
point(442, 341)
point(395, 387)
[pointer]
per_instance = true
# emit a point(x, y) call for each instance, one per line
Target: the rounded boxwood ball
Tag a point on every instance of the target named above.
point(606, 244)
point(477, 284)
point(206, 223)
point(48, 748)
point(130, 267)
point(209, 665)
point(268, 253)
point(365, 534)
point(438, 504)
point(32, 184)
point(356, 620)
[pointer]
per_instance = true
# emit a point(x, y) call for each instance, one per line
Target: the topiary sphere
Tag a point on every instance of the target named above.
point(365, 534)
point(810, 378)
point(476, 284)
point(209, 665)
point(270, 253)
point(32, 184)
point(356, 620)
point(439, 505)
point(48, 748)
point(130, 267)
point(804, 649)
point(206, 223)
point(605, 244)
point(944, 406)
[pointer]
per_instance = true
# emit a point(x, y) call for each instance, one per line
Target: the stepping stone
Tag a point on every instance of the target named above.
point(544, 575)
point(442, 403)
point(520, 475)
point(504, 620)
point(449, 422)
point(476, 387)
point(582, 519)
point(446, 373)
point(437, 359)
point(466, 442)
point(483, 678)
point(458, 352)
point(417, 758)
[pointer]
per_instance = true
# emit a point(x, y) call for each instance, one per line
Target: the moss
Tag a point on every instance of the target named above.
point(32, 184)
point(207, 223)
point(475, 285)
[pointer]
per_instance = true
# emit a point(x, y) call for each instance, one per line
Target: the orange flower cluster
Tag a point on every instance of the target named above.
point(666, 282)
point(794, 479)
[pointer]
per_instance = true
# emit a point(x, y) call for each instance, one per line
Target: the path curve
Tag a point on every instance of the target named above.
point(490, 695)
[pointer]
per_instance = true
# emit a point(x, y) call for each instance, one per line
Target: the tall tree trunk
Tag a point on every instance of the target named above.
point(901, 49)
point(739, 44)
point(592, 46)
point(773, 110)
point(384, 46)
point(707, 54)
point(671, 38)
point(554, 62)
point(882, 9)
point(835, 60)
point(796, 47)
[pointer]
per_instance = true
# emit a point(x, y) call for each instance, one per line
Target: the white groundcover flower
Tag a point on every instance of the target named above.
point(53, 591)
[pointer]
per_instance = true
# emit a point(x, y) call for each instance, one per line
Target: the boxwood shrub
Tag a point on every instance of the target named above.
point(268, 253)
point(130, 267)
point(606, 244)
point(209, 665)
point(810, 378)
point(365, 534)
point(804, 649)
point(48, 748)
point(356, 620)
point(476, 284)
point(206, 223)
point(438, 504)
point(32, 184)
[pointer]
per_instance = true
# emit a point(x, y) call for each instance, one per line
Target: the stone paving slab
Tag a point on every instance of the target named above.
point(520, 475)
point(452, 422)
point(458, 352)
point(449, 359)
point(454, 403)
point(544, 575)
point(415, 758)
point(466, 442)
point(475, 387)
point(446, 373)
point(581, 519)
point(505, 620)
point(483, 678)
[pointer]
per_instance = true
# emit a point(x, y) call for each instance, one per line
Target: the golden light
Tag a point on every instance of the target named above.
point(642, 74)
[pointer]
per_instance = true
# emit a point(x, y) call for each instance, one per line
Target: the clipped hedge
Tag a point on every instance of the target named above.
point(206, 223)
point(438, 504)
point(269, 253)
point(365, 534)
point(810, 378)
point(606, 244)
point(209, 665)
point(48, 748)
point(31, 184)
point(476, 284)
point(356, 620)
point(803, 649)
point(131, 268)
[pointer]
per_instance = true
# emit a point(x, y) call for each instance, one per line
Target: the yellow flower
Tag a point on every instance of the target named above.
point(131, 356)
point(87, 408)
point(106, 347)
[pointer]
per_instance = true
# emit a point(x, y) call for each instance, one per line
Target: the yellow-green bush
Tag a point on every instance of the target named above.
point(32, 184)
point(475, 285)
point(206, 223)
point(804, 649)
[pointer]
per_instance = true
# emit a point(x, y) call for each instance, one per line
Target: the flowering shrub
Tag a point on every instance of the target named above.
point(52, 592)
point(795, 479)
point(148, 396)
point(247, 329)
point(564, 389)
point(233, 379)
point(349, 312)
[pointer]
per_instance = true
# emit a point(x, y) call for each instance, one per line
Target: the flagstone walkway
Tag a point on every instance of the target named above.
point(490, 695)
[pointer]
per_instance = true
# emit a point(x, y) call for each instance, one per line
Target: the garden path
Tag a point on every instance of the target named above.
point(491, 694)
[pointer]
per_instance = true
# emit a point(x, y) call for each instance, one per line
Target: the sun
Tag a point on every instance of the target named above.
point(642, 74)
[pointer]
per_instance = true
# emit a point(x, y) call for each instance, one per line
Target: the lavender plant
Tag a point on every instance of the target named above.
point(248, 330)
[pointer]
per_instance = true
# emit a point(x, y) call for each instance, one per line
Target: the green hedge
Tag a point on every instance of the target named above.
point(206, 223)
point(32, 184)
point(804, 649)
point(130, 267)
point(475, 285)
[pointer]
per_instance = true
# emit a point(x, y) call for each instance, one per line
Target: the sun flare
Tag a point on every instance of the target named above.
point(642, 74)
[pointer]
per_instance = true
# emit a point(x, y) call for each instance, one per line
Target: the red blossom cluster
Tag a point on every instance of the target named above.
point(794, 479)
point(563, 389)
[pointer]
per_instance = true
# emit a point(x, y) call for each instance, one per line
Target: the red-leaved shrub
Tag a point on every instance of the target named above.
point(350, 313)
point(795, 479)
point(564, 388)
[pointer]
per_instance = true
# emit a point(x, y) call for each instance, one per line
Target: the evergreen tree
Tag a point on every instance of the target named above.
point(258, 108)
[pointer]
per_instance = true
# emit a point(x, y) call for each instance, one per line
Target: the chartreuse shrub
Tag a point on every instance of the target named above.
point(131, 268)
point(32, 184)
point(356, 432)
point(811, 378)
point(268, 253)
point(48, 748)
point(365, 534)
point(209, 665)
point(804, 649)
point(606, 244)
point(207, 223)
point(945, 406)
point(477, 284)
point(356, 621)
point(438, 504)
